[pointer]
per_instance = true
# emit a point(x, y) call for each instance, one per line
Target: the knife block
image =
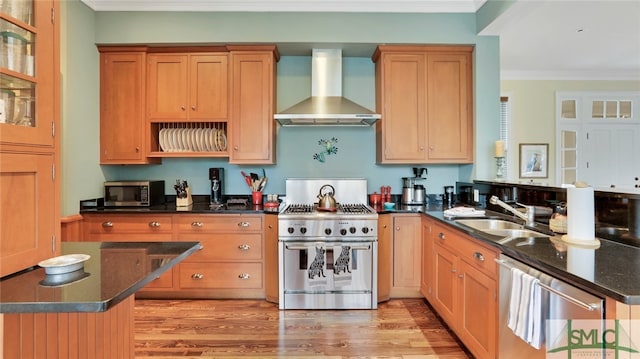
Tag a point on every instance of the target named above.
point(184, 202)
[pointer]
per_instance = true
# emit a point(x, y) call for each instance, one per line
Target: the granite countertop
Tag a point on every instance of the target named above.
point(115, 271)
point(612, 270)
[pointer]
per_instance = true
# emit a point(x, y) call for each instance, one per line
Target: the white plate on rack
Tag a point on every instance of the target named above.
point(64, 264)
point(222, 140)
point(162, 137)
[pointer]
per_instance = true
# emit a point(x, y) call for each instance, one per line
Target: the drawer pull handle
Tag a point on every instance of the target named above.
point(197, 276)
point(460, 276)
point(244, 247)
point(243, 224)
point(107, 224)
point(197, 224)
point(154, 224)
point(244, 276)
point(441, 236)
point(478, 256)
point(453, 270)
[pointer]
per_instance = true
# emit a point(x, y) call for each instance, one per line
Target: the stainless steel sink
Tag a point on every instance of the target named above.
point(488, 224)
point(500, 231)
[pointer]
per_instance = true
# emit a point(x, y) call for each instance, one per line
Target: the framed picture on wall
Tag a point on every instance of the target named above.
point(534, 160)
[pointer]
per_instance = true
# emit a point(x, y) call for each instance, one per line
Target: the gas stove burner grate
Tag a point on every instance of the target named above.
point(342, 208)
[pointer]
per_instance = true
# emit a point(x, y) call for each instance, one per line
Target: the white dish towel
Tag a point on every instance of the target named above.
point(526, 316)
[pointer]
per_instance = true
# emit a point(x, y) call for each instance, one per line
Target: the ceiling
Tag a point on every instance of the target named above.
point(539, 39)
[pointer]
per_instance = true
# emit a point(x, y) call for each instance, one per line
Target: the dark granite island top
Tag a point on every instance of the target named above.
point(115, 271)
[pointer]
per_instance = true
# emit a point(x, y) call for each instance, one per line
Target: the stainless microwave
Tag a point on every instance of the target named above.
point(133, 193)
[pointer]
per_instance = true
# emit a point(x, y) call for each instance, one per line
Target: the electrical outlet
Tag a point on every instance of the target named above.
point(476, 195)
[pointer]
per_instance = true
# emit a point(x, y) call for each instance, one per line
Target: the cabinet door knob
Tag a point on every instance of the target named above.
point(453, 270)
point(441, 236)
point(478, 256)
point(243, 224)
point(270, 226)
point(398, 228)
point(154, 224)
point(460, 276)
point(107, 224)
point(137, 149)
point(244, 247)
point(235, 148)
point(197, 276)
point(244, 276)
point(183, 108)
point(193, 108)
point(196, 224)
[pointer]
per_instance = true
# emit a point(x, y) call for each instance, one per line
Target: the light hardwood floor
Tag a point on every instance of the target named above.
point(403, 328)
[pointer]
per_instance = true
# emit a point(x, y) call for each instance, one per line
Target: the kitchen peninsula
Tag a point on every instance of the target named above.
point(89, 312)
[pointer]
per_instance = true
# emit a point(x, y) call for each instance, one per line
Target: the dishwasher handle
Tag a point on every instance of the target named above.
point(578, 302)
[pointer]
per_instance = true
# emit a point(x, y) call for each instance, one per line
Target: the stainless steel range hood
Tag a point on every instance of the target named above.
point(326, 106)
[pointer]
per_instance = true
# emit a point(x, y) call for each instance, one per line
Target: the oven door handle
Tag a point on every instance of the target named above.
point(303, 247)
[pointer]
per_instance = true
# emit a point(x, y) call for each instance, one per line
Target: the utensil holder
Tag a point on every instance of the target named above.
point(256, 197)
point(186, 201)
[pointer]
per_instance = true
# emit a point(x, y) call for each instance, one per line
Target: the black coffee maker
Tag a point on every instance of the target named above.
point(216, 175)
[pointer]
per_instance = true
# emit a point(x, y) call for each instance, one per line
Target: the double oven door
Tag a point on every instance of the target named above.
point(326, 274)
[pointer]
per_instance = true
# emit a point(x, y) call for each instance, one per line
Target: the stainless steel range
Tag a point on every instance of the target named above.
point(328, 256)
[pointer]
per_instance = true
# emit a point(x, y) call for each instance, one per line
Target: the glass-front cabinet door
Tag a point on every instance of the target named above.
point(27, 72)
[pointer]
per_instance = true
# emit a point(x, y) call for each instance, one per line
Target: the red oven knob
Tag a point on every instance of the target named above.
point(327, 231)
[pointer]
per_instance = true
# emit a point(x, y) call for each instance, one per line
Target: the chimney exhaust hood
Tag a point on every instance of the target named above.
point(326, 106)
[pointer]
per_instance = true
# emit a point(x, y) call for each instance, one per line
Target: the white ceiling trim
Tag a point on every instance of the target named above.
point(596, 75)
point(367, 6)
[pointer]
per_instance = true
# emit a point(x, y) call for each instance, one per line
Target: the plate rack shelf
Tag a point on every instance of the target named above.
point(189, 139)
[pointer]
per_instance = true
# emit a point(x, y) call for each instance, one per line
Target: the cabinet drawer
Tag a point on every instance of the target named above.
point(116, 224)
point(221, 275)
point(225, 246)
point(219, 223)
point(165, 281)
point(480, 257)
point(447, 238)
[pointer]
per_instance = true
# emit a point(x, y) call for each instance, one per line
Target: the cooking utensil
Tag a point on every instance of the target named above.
point(326, 201)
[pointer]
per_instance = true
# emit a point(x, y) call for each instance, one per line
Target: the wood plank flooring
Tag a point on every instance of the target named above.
point(403, 328)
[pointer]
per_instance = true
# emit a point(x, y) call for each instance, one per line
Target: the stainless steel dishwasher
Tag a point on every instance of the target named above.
point(563, 301)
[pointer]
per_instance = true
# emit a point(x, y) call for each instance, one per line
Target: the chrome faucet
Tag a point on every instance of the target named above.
point(529, 216)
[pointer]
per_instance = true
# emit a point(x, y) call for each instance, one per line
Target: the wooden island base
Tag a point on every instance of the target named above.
point(70, 335)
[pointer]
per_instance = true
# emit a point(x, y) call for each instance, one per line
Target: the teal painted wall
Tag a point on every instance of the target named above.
point(295, 146)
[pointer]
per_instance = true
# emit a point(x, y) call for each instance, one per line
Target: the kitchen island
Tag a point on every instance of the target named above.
point(87, 314)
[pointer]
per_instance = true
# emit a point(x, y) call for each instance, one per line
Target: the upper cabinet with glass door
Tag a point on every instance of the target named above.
point(27, 63)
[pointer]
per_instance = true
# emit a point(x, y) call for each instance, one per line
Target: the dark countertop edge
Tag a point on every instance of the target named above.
point(572, 279)
point(175, 211)
point(97, 306)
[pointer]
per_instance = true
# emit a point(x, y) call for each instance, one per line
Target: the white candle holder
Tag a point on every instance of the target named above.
point(500, 168)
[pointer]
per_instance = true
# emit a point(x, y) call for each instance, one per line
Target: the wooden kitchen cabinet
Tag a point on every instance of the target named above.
point(29, 119)
point(426, 282)
point(385, 256)
point(124, 130)
point(425, 95)
point(271, 278)
point(230, 263)
point(188, 86)
point(253, 89)
point(407, 256)
point(465, 289)
point(122, 227)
